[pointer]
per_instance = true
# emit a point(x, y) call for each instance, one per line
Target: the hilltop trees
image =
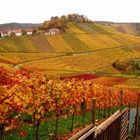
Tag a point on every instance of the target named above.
point(77, 18)
point(60, 23)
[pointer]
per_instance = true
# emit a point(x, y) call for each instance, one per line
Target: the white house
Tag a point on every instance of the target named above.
point(4, 33)
point(17, 32)
point(29, 31)
point(54, 31)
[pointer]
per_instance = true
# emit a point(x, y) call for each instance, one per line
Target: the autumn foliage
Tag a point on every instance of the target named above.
point(30, 94)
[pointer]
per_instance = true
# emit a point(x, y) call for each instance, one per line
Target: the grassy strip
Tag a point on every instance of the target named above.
point(47, 128)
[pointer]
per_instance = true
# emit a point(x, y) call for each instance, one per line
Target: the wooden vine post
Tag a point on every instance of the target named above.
point(137, 119)
point(121, 100)
point(93, 117)
point(129, 107)
point(109, 103)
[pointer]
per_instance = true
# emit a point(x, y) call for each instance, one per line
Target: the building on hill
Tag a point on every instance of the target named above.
point(51, 31)
point(17, 32)
point(54, 31)
point(4, 33)
point(29, 31)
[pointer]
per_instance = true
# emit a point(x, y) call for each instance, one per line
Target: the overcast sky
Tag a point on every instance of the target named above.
point(36, 11)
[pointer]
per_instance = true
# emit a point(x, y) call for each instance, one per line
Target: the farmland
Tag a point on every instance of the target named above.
point(83, 62)
point(83, 47)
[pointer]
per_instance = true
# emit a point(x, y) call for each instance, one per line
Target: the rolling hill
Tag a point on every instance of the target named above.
point(83, 47)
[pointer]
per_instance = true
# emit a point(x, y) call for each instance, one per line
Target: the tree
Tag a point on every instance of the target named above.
point(61, 22)
point(12, 34)
point(55, 18)
point(24, 32)
point(34, 32)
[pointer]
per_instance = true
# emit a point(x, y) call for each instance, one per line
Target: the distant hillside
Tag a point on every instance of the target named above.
point(129, 28)
point(18, 25)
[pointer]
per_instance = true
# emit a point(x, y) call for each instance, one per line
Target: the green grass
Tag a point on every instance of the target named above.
point(47, 128)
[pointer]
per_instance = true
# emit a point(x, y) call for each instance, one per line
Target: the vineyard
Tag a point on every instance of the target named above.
point(9, 60)
point(29, 101)
point(78, 35)
point(84, 47)
point(83, 62)
point(49, 81)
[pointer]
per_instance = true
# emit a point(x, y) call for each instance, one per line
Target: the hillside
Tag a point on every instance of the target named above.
point(79, 37)
point(129, 28)
point(83, 47)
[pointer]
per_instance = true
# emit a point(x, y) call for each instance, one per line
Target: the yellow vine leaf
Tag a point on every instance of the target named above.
point(5, 107)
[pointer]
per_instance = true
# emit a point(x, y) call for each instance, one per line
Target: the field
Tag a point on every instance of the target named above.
point(84, 47)
point(79, 51)
point(83, 62)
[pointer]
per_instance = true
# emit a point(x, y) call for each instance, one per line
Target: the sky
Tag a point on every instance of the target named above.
point(37, 11)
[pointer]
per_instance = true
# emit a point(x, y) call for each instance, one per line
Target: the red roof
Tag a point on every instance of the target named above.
point(17, 30)
point(4, 31)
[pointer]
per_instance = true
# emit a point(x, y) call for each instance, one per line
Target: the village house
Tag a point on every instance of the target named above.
point(54, 31)
point(17, 32)
point(29, 32)
point(4, 33)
